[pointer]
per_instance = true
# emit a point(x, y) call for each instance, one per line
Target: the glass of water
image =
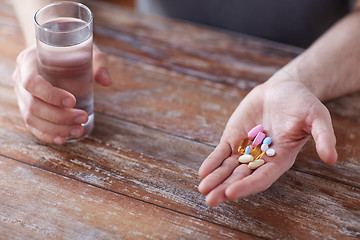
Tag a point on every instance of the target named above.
point(64, 40)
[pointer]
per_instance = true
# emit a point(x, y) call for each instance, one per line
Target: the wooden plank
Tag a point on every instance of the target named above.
point(347, 168)
point(36, 204)
point(164, 100)
point(208, 128)
point(172, 45)
point(11, 42)
point(205, 49)
point(234, 59)
point(161, 169)
point(145, 163)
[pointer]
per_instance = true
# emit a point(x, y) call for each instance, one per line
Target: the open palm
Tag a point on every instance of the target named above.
point(290, 113)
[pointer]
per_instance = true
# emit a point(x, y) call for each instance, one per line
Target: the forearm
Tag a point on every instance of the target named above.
point(331, 66)
point(25, 11)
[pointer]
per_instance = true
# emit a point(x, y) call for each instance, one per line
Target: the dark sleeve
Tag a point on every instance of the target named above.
point(296, 22)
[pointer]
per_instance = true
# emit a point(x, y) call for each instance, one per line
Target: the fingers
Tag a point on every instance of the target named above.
point(217, 195)
point(260, 180)
point(62, 123)
point(42, 89)
point(46, 110)
point(239, 182)
point(53, 129)
point(63, 116)
point(46, 138)
point(100, 72)
point(218, 175)
point(323, 134)
point(32, 106)
point(215, 159)
point(28, 78)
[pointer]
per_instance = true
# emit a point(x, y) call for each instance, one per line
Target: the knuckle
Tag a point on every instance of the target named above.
point(51, 95)
point(61, 119)
point(28, 84)
point(28, 118)
point(59, 130)
point(42, 136)
point(32, 106)
point(20, 58)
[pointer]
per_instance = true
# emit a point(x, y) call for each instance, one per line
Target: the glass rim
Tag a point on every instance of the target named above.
point(61, 3)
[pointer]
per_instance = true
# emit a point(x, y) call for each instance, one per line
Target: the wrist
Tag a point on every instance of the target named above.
point(298, 71)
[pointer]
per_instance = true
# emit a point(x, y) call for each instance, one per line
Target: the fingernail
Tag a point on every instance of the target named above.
point(59, 140)
point(80, 119)
point(67, 102)
point(76, 132)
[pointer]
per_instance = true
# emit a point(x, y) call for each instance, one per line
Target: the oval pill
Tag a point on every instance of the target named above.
point(267, 141)
point(264, 147)
point(255, 164)
point(258, 139)
point(254, 131)
point(270, 152)
point(248, 150)
point(246, 158)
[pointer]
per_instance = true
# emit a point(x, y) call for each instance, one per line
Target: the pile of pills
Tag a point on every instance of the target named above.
point(253, 148)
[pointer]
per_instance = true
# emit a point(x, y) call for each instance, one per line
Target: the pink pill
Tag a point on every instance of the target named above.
point(253, 132)
point(258, 139)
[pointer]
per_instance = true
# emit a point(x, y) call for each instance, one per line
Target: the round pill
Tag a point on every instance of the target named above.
point(267, 140)
point(264, 147)
point(254, 131)
point(246, 158)
point(258, 139)
point(248, 150)
point(270, 152)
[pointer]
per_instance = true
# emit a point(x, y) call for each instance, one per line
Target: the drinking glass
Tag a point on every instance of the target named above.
point(64, 40)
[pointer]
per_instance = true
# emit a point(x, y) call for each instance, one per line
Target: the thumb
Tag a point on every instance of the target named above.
point(323, 133)
point(100, 71)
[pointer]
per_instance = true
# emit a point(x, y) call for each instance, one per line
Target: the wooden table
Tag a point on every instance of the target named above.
point(175, 86)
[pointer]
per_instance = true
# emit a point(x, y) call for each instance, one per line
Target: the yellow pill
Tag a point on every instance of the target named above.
point(256, 163)
point(260, 156)
point(243, 145)
point(256, 151)
point(246, 158)
point(241, 151)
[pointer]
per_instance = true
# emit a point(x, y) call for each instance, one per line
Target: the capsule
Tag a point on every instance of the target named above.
point(246, 158)
point(260, 156)
point(255, 164)
point(241, 148)
point(258, 139)
point(248, 150)
point(254, 131)
point(267, 141)
point(256, 152)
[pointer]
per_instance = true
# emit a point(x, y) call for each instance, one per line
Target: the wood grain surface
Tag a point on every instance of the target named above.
point(175, 86)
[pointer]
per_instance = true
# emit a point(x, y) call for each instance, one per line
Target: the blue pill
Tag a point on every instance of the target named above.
point(267, 140)
point(248, 150)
